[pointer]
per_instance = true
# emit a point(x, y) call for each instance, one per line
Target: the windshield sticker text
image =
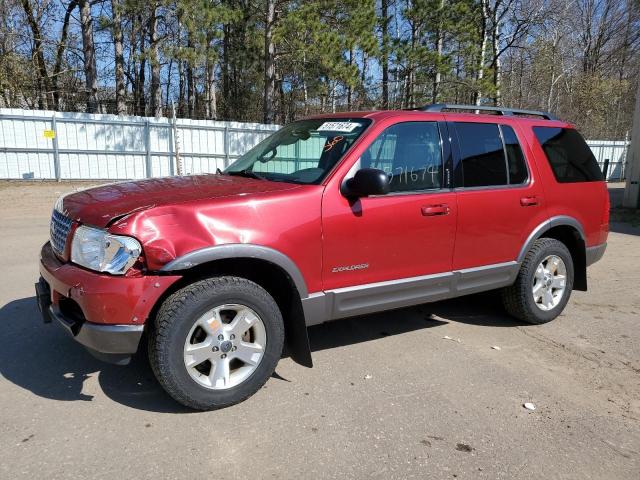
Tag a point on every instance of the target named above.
point(338, 127)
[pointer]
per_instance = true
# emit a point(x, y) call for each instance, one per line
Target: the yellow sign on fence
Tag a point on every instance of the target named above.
point(49, 134)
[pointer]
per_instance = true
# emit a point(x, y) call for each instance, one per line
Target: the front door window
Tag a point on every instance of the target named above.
point(410, 153)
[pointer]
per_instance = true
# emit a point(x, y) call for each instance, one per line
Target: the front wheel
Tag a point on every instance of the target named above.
point(544, 283)
point(216, 342)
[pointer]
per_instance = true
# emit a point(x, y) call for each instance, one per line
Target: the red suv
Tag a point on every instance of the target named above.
point(330, 217)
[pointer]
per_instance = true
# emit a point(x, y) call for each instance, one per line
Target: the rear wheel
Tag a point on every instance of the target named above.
point(216, 342)
point(544, 283)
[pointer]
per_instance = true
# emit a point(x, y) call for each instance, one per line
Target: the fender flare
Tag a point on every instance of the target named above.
point(240, 250)
point(298, 339)
point(560, 220)
point(580, 257)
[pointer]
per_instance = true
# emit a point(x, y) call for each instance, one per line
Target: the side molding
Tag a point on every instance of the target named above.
point(240, 250)
point(374, 297)
point(547, 225)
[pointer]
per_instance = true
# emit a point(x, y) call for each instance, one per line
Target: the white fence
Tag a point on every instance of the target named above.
point(48, 145)
point(616, 151)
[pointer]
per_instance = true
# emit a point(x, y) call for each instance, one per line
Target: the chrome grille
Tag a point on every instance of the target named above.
point(60, 226)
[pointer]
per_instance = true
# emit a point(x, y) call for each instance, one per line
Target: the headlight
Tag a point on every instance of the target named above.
point(98, 250)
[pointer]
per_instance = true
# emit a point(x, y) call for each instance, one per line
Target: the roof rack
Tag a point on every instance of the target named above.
point(439, 107)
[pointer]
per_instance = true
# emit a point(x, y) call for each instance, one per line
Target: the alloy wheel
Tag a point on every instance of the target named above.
point(225, 346)
point(549, 282)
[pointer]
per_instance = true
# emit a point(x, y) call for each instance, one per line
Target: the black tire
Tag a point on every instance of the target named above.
point(518, 298)
point(178, 314)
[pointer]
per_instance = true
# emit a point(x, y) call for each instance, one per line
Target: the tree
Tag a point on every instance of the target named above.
point(44, 83)
point(155, 95)
point(269, 62)
point(278, 60)
point(118, 49)
point(89, 54)
point(384, 51)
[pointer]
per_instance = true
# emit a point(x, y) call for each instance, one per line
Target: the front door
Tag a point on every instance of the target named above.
point(407, 234)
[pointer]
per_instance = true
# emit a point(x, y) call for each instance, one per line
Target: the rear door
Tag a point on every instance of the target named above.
point(499, 199)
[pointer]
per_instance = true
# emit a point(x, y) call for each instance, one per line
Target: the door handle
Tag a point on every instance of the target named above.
point(529, 201)
point(432, 210)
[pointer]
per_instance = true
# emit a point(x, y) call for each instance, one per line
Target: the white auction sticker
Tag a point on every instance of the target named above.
point(338, 126)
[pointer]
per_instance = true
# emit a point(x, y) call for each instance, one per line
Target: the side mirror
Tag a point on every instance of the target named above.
point(366, 181)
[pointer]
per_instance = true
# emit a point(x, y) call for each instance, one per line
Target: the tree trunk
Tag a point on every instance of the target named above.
point(181, 87)
point(181, 75)
point(458, 77)
point(121, 105)
point(521, 78)
point(141, 105)
point(483, 52)
point(141, 79)
point(132, 66)
point(167, 86)
point(363, 80)
point(411, 73)
point(38, 54)
point(226, 83)
point(439, 49)
point(155, 94)
point(349, 88)
point(62, 44)
point(283, 103)
point(211, 94)
point(191, 92)
point(305, 91)
point(89, 53)
point(191, 84)
point(385, 53)
point(497, 63)
point(269, 63)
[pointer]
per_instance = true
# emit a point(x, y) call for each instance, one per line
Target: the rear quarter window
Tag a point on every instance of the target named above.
point(568, 154)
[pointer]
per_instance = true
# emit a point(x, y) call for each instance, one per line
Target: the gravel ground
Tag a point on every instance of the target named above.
point(388, 397)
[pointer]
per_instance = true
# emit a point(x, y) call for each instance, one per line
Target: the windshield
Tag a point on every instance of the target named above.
point(301, 152)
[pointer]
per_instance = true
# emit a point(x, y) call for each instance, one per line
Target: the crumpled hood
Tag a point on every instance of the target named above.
point(99, 206)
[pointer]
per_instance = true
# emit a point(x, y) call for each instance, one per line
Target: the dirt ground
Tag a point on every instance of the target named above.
point(388, 397)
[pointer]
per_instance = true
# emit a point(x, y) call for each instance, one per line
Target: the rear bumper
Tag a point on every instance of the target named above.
point(593, 254)
point(104, 313)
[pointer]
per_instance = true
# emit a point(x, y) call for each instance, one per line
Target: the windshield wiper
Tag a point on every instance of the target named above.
point(246, 173)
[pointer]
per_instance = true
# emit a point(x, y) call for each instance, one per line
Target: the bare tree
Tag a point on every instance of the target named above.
point(269, 62)
point(62, 44)
point(121, 105)
point(484, 30)
point(38, 55)
point(437, 78)
point(89, 53)
point(384, 26)
point(155, 93)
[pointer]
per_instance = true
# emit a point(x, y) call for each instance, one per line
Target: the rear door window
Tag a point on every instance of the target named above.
point(570, 157)
point(482, 155)
point(518, 172)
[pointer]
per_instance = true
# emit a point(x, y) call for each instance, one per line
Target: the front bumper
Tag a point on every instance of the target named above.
point(111, 343)
point(105, 313)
